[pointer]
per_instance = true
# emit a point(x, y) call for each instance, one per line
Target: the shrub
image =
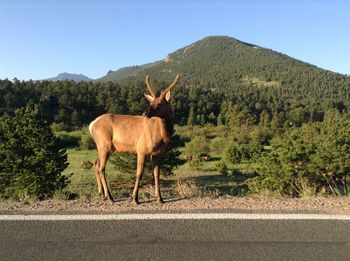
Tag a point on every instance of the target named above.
point(233, 153)
point(67, 139)
point(236, 172)
point(186, 189)
point(31, 158)
point(56, 127)
point(309, 160)
point(236, 153)
point(198, 146)
point(285, 169)
point(253, 150)
point(217, 144)
point(262, 136)
point(86, 164)
point(331, 162)
point(87, 142)
point(195, 163)
point(222, 168)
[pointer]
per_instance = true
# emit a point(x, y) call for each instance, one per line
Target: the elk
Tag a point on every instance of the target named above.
point(146, 135)
point(205, 157)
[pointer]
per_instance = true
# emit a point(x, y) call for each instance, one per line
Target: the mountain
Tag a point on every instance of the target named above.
point(225, 62)
point(70, 77)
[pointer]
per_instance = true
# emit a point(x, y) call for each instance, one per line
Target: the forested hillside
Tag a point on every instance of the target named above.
point(225, 63)
point(125, 72)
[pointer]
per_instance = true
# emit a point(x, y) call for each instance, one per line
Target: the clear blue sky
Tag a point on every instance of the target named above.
point(39, 39)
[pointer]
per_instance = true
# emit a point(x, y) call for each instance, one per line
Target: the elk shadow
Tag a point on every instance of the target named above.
point(205, 185)
point(220, 185)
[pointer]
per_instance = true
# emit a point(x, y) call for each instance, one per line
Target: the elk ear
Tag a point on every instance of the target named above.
point(148, 97)
point(167, 96)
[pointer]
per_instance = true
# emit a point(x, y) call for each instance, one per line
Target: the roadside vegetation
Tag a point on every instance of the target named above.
point(307, 161)
point(239, 155)
point(31, 158)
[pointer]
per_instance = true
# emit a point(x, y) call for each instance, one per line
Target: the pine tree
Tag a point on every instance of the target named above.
point(75, 119)
point(191, 118)
point(31, 159)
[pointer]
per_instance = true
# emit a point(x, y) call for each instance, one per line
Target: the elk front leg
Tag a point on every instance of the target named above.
point(97, 174)
point(156, 173)
point(140, 164)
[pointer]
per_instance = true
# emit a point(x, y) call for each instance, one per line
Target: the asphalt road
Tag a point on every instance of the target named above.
point(178, 239)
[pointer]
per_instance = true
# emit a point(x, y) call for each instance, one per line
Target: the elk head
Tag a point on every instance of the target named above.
point(159, 106)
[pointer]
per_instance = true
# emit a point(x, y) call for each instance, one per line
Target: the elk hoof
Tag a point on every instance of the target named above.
point(135, 201)
point(160, 201)
point(110, 199)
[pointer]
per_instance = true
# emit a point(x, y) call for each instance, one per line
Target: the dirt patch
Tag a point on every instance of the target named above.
point(331, 205)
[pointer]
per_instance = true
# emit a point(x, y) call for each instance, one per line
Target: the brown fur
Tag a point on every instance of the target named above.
point(142, 135)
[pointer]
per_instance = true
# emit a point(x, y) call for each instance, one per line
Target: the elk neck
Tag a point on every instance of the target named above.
point(169, 124)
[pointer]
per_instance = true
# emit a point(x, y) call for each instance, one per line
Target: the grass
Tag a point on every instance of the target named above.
point(205, 181)
point(260, 83)
point(83, 181)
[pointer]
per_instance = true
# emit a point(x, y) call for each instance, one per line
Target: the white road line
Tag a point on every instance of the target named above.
point(175, 216)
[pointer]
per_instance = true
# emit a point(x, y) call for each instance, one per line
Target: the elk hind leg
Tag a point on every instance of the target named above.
point(103, 157)
point(156, 173)
point(98, 179)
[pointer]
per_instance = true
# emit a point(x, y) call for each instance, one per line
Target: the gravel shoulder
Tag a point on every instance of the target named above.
point(319, 205)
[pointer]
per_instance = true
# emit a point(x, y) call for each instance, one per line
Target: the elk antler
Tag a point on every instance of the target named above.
point(149, 87)
point(173, 84)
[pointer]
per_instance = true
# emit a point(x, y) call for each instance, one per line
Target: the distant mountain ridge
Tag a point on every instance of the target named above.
point(126, 72)
point(70, 77)
point(225, 62)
